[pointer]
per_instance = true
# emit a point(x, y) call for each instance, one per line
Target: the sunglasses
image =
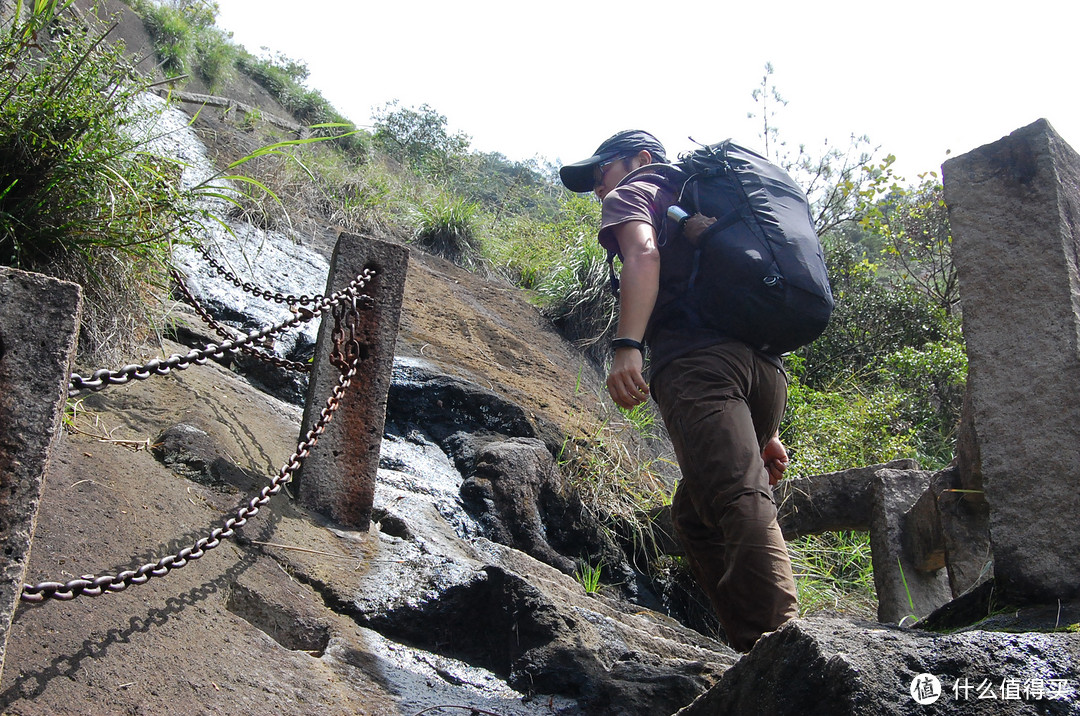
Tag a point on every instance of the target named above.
point(600, 169)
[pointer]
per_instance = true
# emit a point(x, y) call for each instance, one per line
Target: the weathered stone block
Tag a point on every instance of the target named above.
point(964, 519)
point(338, 477)
point(947, 527)
point(830, 502)
point(1014, 207)
point(902, 588)
point(39, 327)
point(924, 544)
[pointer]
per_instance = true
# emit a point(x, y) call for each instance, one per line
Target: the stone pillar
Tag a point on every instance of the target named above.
point(39, 327)
point(1014, 207)
point(338, 477)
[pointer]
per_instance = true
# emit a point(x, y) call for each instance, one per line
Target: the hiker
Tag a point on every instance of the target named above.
point(720, 399)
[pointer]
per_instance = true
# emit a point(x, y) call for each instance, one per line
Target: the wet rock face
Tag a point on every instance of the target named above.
point(509, 484)
point(422, 398)
point(499, 609)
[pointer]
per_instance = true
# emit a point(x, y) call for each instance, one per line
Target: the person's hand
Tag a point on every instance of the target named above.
point(625, 383)
point(695, 226)
point(775, 458)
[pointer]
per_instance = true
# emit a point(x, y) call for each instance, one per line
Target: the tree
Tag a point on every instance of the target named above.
point(873, 318)
point(767, 95)
point(918, 241)
point(418, 137)
point(837, 180)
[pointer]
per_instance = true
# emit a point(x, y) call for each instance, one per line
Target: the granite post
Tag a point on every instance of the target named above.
point(1014, 208)
point(39, 328)
point(338, 478)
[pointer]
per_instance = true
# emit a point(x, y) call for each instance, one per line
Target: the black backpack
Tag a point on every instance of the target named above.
point(759, 271)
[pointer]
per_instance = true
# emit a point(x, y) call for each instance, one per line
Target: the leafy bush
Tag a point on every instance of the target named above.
point(843, 428)
point(509, 189)
point(873, 318)
point(932, 379)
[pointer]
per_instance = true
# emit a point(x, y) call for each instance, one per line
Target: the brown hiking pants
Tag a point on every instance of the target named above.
point(721, 404)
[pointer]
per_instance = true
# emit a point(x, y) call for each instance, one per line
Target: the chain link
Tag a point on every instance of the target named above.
point(251, 288)
point(94, 586)
point(156, 366)
point(345, 355)
point(227, 334)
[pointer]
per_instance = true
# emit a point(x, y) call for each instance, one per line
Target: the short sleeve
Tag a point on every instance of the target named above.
point(636, 201)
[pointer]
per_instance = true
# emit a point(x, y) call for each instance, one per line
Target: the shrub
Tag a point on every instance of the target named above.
point(418, 138)
point(849, 426)
point(932, 379)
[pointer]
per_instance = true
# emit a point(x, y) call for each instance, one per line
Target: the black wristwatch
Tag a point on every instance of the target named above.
point(628, 343)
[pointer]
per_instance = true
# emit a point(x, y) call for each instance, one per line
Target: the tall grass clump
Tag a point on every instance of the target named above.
point(833, 572)
point(448, 225)
point(78, 199)
point(186, 40)
point(576, 296)
point(319, 182)
point(171, 34)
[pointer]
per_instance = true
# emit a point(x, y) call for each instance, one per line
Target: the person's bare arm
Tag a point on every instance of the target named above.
point(639, 282)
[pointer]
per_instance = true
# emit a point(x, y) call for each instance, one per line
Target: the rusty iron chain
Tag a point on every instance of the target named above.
point(104, 377)
point(251, 288)
point(347, 345)
point(94, 586)
point(225, 333)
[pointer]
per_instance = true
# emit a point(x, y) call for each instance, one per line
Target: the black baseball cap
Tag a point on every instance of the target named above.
point(579, 176)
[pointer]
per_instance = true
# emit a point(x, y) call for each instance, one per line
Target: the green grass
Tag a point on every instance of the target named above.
point(589, 577)
point(448, 226)
point(833, 572)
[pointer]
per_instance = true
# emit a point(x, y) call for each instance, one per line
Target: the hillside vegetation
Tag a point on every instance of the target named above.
point(79, 200)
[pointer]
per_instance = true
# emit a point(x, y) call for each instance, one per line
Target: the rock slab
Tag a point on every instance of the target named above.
point(833, 667)
point(1014, 207)
point(39, 328)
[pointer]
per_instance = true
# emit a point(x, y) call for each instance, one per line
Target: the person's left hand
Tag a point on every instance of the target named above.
point(775, 458)
point(695, 226)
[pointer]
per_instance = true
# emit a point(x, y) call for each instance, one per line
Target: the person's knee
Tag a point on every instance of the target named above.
point(750, 507)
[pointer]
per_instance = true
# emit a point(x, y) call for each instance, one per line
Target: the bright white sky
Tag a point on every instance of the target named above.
point(556, 77)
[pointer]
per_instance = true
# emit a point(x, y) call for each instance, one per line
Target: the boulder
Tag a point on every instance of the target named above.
point(830, 502)
point(832, 667)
